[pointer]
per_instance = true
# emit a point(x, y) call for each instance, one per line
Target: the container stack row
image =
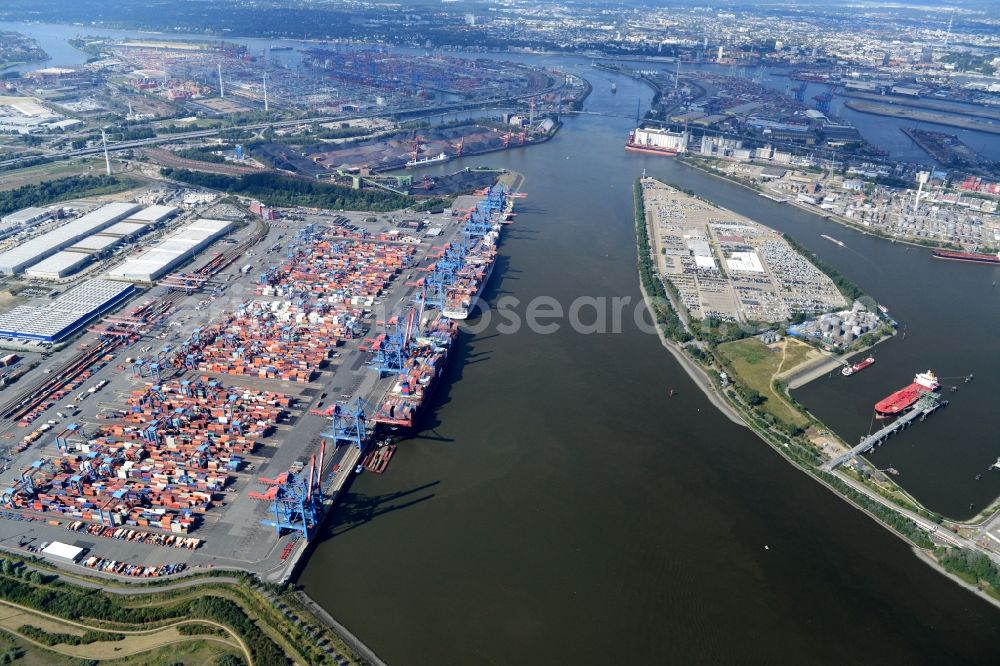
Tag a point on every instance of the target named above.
point(158, 461)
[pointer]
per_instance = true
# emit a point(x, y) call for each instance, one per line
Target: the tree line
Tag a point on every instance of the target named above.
point(891, 517)
point(975, 567)
point(53, 638)
point(50, 191)
point(202, 154)
point(76, 603)
point(664, 315)
point(279, 190)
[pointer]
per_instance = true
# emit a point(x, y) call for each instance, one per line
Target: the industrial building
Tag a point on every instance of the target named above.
point(59, 265)
point(27, 217)
point(94, 244)
point(63, 551)
point(659, 140)
point(24, 219)
point(15, 260)
point(171, 251)
point(745, 262)
point(126, 230)
point(153, 214)
point(56, 320)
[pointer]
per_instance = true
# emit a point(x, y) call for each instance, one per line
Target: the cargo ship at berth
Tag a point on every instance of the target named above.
point(440, 157)
point(975, 257)
point(427, 337)
point(483, 228)
point(857, 367)
point(904, 398)
point(461, 298)
point(658, 141)
point(413, 387)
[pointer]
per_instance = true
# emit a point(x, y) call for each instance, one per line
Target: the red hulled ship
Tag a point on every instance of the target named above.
point(903, 399)
point(857, 367)
point(977, 257)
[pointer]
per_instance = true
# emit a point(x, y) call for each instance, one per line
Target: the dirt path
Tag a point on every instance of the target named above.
point(784, 356)
point(136, 641)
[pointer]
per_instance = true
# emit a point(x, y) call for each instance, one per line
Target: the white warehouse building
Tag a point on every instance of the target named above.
point(155, 214)
point(95, 244)
point(126, 230)
point(27, 216)
point(59, 265)
point(171, 251)
point(27, 254)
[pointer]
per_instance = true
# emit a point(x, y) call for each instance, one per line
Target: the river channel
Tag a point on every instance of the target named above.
point(559, 506)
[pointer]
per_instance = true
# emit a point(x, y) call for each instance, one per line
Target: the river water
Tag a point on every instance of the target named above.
point(559, 506)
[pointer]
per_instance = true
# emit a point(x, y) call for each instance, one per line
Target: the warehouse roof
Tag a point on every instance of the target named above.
point(24, 215)
point(59, 264)
point(170, 251)
point(95, 243)
point(63, 550)
point(153, 214)
point(125, 229)
point(36, 249)
point(209, 225)
point(57, 319)
point(90, 294)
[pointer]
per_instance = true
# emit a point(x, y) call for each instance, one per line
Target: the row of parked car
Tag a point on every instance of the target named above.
point(135, 570)
point(126, 534)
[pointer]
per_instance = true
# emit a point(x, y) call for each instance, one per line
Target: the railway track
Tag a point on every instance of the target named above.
point(166, 158)
point(32, 397)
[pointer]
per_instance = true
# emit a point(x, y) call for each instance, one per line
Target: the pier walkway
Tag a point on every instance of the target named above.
point(926, 405)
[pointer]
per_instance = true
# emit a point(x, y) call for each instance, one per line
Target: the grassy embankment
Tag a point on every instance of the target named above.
point(33, 175)
point(267, 622)
point(759, 365)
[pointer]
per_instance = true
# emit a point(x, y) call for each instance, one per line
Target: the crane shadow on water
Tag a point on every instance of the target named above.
point(358, 509)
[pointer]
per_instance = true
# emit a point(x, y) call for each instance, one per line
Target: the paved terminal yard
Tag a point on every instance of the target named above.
point(230, 533)
point(727, 266)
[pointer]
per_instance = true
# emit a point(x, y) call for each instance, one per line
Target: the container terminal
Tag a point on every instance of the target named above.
point(213, 420)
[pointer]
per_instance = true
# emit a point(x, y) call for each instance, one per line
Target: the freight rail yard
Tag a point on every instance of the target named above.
point(213, 423)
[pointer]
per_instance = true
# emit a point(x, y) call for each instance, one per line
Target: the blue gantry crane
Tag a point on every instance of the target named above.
point(442, 275)
point(296, 500)
point(391, 348)
point(348, 424)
